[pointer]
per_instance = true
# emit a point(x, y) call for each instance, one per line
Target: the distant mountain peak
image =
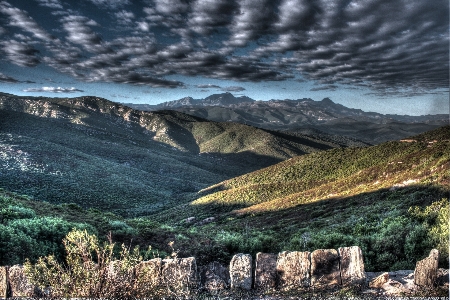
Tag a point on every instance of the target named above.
point(327, 101)
point(225, 99)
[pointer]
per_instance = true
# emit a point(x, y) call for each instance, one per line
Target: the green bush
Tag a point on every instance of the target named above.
point(31, 238)
point(435, 220)
point(91, 270)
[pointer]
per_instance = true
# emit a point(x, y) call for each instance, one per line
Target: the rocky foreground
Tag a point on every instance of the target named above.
point(321, 274)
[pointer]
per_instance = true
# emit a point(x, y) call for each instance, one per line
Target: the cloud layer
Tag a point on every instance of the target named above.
point(392, 47)
point(51, 89)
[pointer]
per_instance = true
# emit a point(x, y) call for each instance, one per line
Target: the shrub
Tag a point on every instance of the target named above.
point(32, 238)
point(91, 270)
point(435, 221)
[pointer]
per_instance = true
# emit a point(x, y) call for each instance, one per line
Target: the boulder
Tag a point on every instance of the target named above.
point(265, 271)
point(325, 272)
point(179, 275)
point(241, 271)
point(3, 281)
point(214, 277)
point(293, 270)
point(352, 266)
point(425, 274)
point(378, 281)
point(19, 284)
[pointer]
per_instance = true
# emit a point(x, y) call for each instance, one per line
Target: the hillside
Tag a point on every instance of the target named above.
point(375, 197)
point(390, 199)
point(98, 153)
point(303, 114)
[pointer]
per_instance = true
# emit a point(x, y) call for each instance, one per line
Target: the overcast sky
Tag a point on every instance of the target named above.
point(389, 56)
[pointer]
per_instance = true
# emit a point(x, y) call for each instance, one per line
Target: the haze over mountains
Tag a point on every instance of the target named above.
point(303, 115)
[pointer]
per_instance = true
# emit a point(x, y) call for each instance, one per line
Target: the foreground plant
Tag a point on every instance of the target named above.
point(91, 270)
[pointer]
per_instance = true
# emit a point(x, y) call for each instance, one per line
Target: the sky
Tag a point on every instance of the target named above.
point(387, 56)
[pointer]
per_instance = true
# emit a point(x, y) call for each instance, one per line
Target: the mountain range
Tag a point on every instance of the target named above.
point(303, 114)
point(97, 153)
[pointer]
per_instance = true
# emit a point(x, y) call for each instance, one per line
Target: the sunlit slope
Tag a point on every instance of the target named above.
point(335, 173)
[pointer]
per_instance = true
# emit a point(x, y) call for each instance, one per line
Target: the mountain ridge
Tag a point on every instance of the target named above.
point(229, 100)
point(302, 114)
point(96, 152)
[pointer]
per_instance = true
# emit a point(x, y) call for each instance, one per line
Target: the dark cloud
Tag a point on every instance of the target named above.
point(112, 4)
point(50, 3)
point(208, 86)
point(20, 53)
point(392, 47)
point(8, 79)
point(325, 88)
point(21, 19)
point(252, 21)
point(50, 89)
point(124, 17)
point(4, 78)
point(233, 89)
point(130, 77)
point(208, 15)
point(80, 32)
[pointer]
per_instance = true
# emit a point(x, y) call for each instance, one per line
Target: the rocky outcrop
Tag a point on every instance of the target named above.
point(293, 269)
point(214, 277)
point(179, 275)
point(425, 274)
point(3, 281)
point(241, 271)
point(325, 272)
point(19, 284)
point(379, 281)
point(265, 271)
point(352, 266)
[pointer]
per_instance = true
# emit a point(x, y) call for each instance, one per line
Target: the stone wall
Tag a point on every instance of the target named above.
point(322, 269)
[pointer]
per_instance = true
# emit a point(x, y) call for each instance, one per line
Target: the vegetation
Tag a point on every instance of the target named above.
point(100, 154)
point(390, 199)
point(91, 270)
point(372, 197)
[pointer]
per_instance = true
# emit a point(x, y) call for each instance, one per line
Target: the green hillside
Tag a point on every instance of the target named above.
point(214, 189)
point(101, 154)
point(390, 199)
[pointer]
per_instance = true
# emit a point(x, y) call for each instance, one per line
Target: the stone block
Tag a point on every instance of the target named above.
point(325, 273)
point(425, 274)
point(265, 270)
point(179, 275)
point(241, 271)
point(214, 277)
point(352, 266)
point(293, 270)
point(148, 276)
point(3, 281)
point(19, 284)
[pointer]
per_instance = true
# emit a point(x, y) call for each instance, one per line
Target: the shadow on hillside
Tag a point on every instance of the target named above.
point(377, 221)
point(263, 215)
